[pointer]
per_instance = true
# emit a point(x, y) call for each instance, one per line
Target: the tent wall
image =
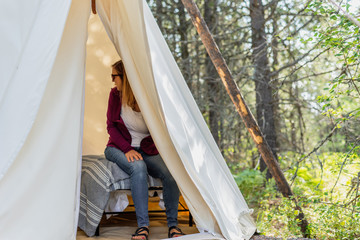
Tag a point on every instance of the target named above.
point(42, 107)
point(31, 32)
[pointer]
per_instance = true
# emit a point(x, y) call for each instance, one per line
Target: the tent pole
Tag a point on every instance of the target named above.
point(241, 107)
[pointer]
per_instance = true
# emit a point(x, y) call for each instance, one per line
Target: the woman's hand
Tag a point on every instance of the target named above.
point(133, 155)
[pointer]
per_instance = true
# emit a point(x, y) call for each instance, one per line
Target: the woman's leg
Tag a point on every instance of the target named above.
point(138, 178)
point(157, 168)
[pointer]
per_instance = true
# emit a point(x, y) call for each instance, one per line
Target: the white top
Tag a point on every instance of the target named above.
point(136, 125)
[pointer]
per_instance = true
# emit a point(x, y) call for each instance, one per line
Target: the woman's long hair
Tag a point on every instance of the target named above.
point(127, 95)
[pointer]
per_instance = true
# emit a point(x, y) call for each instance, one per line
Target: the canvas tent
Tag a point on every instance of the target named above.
point(41, 118)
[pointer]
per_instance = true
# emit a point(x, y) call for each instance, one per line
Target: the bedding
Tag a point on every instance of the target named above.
point(100, 177)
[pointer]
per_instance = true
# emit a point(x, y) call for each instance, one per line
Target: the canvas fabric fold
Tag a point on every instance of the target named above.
point(41, 114)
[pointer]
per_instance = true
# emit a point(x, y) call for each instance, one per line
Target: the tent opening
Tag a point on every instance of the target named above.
point(100, 55)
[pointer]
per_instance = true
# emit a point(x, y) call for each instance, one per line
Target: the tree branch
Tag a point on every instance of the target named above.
point(314, 150)
point(346, 14)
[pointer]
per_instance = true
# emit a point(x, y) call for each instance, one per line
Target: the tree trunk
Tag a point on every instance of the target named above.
point(210, 76)
point(275, 80)
point(159, 14)
point(184, 50)
point(264, 99)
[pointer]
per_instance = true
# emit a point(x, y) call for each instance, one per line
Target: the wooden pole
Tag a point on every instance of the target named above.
point(241, 106)
point(93, 6)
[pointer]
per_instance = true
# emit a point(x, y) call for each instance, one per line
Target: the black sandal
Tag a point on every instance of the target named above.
point(178, 232)
point(141, 229)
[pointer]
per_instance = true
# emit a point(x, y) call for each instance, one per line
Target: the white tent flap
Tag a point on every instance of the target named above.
point(31, 33)
point(39, 191)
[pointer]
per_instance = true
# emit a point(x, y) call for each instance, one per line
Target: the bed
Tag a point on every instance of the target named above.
point(103, 190)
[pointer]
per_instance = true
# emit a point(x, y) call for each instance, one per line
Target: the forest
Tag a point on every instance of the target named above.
point(296, 63)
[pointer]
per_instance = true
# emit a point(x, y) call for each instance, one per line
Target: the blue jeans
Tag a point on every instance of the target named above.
point(138, 170)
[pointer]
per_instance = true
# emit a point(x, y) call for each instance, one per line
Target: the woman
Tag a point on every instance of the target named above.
point(131, 147)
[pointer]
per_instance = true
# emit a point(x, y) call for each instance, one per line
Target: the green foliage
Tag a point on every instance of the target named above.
point(251, 182)
point(341, 99)
point(332, 210)
point(333, 221)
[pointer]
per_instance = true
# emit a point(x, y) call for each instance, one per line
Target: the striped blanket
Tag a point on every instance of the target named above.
point(99, 177)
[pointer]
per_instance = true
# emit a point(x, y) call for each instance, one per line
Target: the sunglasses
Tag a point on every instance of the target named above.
point(115, 75)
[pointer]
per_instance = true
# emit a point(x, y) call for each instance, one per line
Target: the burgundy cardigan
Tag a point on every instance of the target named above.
point(119, 134)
